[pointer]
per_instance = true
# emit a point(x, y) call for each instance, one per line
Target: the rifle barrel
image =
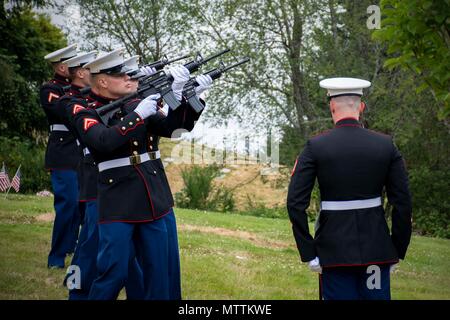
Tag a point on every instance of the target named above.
point(179, 58)
point(234, 65)
point(215, 55)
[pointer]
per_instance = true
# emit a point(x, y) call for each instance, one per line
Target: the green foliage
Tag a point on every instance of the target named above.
point(417, 33)
point(26, 37)
point(199, 192)
point(259, 209)
point(431, 214)
point(16, 151)
point(222, 199)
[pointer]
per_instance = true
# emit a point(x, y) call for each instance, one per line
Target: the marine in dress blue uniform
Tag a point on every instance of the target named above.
point(85, 256)
point(152, 146)
point(61, 159)
point(352, 165)
point(131, 194)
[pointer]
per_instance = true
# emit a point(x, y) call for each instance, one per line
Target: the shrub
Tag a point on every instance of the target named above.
point(259, 209)
point(199, 193)
point(431, 203)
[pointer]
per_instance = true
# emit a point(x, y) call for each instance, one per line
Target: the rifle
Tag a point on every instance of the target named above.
point(189, 89)
point(160, 82)
point(160, 64)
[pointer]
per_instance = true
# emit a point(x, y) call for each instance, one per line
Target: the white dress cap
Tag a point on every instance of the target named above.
point(62, 54)
point(133, 64)
point(344, 86)
point(81, 59)
point(109, 63)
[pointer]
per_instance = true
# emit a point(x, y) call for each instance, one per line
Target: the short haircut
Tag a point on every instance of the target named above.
point(347, 101)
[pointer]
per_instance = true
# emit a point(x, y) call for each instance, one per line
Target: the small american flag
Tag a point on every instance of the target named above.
point(4, 179)
point(15, 182)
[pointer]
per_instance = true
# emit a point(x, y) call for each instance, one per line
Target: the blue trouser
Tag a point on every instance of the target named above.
point(82, 211)
point(116, 242)
point(356, 283)
point(85, 258)
point(174, 257)
point(67, 218)
point(82, 236)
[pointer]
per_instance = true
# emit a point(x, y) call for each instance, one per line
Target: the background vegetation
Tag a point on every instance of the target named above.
point(292, 46)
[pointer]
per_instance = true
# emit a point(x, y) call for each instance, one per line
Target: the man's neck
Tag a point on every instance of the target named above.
point(337, 118)
point(78, 82)
point(104, 93)
point(60, 74)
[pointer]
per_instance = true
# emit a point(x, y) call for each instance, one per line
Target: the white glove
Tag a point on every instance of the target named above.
point(148, 106)
point(314, 265)
point(180, 76)
point(148, 71)
point(204, 82)
point(393, 267)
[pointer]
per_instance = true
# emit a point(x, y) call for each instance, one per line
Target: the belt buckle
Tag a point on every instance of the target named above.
point(152, 155)
point(135, 159)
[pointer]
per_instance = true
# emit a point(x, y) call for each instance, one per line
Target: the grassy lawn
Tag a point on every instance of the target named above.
point(223, 256)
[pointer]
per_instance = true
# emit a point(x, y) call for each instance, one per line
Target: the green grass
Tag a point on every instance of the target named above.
point(240, 263)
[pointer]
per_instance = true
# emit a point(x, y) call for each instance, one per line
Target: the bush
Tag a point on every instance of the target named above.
point(222, 199)
point(432, 223)
point(199, 193)
point(259, 209)
point(15, 151)
point(431, 203)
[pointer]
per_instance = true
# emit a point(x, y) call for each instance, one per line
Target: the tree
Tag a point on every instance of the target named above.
point(272, 89)
point(147, 28)
point(26, 37)
point(418, 35)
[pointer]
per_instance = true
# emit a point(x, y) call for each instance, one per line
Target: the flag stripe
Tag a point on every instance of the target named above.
point(4, 179)
point(15, 183)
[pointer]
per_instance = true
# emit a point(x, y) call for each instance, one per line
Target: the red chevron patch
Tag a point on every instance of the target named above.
point(52, 96)
point(89, 122)
point(77, 108)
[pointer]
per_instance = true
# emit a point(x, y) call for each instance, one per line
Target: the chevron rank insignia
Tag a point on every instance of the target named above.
point(77, 108)
point(52, 96)
point(89, 122)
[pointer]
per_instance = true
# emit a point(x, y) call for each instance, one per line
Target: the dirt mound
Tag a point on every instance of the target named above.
point(256, 240)
point(45, 217)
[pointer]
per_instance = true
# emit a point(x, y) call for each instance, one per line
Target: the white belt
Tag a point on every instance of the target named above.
point(86, 151)
point(78, 142)
point(349, 205)
point(58, 127)
point(128, 161)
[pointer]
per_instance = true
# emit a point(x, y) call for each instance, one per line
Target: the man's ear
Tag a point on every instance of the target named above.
point(362, 107)
point(103, 82)
point(80, 73)
point(62, 68)
point(332, 106)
